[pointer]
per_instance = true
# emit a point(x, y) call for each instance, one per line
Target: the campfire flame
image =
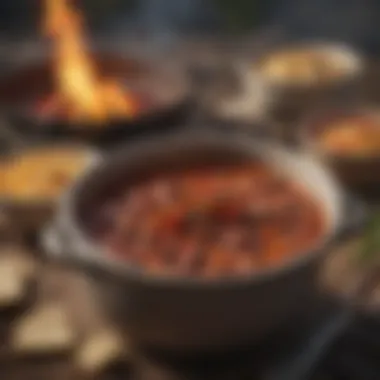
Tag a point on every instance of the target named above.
point(80, 90)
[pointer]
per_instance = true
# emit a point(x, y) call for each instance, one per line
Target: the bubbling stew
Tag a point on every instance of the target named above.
point(209, 222)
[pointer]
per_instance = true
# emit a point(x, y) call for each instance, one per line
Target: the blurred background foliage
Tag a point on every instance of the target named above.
point(240, 15)
point(23, 16)
point(234, 14)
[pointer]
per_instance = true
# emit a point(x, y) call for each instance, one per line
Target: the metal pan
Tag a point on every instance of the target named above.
point(163, 86)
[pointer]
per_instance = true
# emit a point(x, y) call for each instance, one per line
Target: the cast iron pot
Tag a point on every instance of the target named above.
point(193, 315)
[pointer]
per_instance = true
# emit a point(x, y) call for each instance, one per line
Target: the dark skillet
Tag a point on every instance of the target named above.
point(162, 91)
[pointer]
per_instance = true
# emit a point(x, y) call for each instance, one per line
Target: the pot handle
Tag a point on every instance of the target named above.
point(355, 217)
point(55, 245)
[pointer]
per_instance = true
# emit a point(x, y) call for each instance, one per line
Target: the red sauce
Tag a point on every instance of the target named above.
point(210, 222)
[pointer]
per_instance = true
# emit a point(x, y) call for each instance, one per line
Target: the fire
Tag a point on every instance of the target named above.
point(80, 90)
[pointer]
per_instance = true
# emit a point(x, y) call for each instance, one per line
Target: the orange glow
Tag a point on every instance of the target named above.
point(80, 90)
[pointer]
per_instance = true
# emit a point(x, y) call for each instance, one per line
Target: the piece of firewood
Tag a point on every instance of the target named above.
point(45, 330)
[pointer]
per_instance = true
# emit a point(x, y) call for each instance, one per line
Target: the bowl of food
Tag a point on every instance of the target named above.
point(310, 65)
point(200, 240)
point(303, 74)
point(347, 139)
point(34, 178)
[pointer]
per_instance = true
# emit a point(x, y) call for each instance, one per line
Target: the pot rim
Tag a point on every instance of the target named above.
point(86, 252)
